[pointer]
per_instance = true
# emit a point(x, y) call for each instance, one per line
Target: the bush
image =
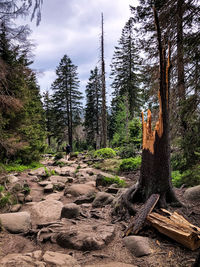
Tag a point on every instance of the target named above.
point(127, 151)
point(130, 164)
point(58, 156)
point(105, 153)
point(17, 167)
point(189, 177)
point(105, 181)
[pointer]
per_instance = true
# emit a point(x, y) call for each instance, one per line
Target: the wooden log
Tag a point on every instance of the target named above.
point(176, 227)
point(142, 214)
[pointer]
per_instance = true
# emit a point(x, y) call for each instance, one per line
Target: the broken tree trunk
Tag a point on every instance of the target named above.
point(176, 227)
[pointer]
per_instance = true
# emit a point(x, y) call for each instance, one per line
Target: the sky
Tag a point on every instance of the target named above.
point(73, 27)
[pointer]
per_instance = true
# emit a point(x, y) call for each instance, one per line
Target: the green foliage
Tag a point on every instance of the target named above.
point(135, 132)
point(127, 151)
point(130, 164)
point(58, 156)
point(114, 180)
point(105, 153)
point(74, 154)
point(49, 173)
point(17, 167)
point(111, 165)
point(190, 177)
point(26, 190)
point(59, 163)
point(5, 197)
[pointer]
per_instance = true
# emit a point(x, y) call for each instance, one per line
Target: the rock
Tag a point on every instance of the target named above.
point(59, 259)
point(44, 183)
point(102, 199)
point(112, 190)
point(113, 264)
point(20, 260)
point(84, 199)
point(12, 179)
point(91, 183)
point(58, 179)
point(20, 197)
point(47, 211)
point(28, 198)
point(19, 222)
point(48, 188)
point(39, 172)
point(70, 179)
point(138, 245)
point(86, 237)
point(79, 189)
point(34, 179)
point(70, 211)
point(54, 196)
point(192, 193)
point(59, 186)
point(16, 208)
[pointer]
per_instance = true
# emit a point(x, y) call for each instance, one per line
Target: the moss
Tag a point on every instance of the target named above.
point(105, 153)
point(130, 164)
point(114, 180)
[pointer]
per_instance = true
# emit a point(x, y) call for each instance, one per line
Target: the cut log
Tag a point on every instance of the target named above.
point(142, 214)
point(176, 227)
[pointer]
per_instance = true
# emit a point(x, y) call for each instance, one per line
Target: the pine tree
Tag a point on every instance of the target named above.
point(49, 115)
point(66, 100)
point(125, 70)
point(93, 109)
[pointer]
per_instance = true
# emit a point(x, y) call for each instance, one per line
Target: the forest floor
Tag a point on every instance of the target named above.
point(111, 250)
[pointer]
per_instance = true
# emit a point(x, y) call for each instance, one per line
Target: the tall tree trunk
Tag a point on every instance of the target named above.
point(104, 115)
point(70, 118)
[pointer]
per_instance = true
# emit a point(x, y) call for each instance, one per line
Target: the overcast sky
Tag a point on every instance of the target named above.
point(73, 27)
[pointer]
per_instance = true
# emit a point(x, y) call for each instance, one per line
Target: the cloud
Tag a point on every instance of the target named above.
point(73, 27)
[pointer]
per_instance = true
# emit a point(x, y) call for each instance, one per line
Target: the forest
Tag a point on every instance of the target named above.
point(148, 132)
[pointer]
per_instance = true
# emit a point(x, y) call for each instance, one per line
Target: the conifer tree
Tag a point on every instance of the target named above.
point(93, 108)
point(66, 100)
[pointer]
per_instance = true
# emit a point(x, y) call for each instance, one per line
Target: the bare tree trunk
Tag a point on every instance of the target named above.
point(104, 115)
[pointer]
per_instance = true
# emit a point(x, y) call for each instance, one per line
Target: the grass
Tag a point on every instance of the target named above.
point(130, 164)
point(16, 167)
point(115, 180)
point(111, 165)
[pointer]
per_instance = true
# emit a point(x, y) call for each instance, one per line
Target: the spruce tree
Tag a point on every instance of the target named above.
point(93, 109)
point(66, 101)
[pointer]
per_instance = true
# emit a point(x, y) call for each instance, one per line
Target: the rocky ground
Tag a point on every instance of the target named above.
point(63, 218)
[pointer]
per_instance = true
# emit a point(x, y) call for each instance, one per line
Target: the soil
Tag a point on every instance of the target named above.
point(166, 252)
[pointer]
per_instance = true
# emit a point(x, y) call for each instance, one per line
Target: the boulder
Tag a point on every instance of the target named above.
point(79, 189)
point(192, 193)
point(85, 199)
point(102, 199)
point(46, 211)
point(39, 172)
point(19, 222)
point(138, 245)
point(54, 196)
point(44, 183)
point(28, 198)
point(113, 264)
point(70, 211)
point(48, 188)
point(12, 179)
point(59, 259)
point(20, 197)
point(86, 236)
point(21, 260)
point(58, 179)
point(15, 208)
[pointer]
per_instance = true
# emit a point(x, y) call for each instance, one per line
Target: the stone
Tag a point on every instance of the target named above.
point(54, 196)
point(112, 190)
point(39, 172)
point(48, 188)
point(12, 179)
point(58, 179)
point(47, 211)
point(112, 264)
point(79, 189)
point(85, 199)
point(20, 260)
point(102, 199)
point(19, 222)
point(15, 208)
point(20, 197)
point(70, 211)
point(28, 198)
point(34, 179)
point(192, 193)
point(70, 179)
point(138, 245)
point(59, 259)
point(86, 237)
point(59, 186)
point(44, 183)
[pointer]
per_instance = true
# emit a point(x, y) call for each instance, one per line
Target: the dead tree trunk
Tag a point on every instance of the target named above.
point(155, 173)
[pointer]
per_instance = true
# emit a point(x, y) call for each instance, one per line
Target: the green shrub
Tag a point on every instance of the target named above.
point(74, 154)
point(127, 151)
point(105, 153)
point(189, 177)
point(17, 167)
point(58, 156)
point(130, 164)
point(114, 180)
point(5, 197)
point(59, 163)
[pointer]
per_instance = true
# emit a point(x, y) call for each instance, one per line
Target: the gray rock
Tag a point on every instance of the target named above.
point(22, 260)
point(58, 179)
point(16, 208)
point(54, 196)
point(44, 183)
point(85, 199)
point(12, 179)
point(86, 237)
point(19, 222)
point(138, 245)
point(102, 199)
point(79, 189)
point(39, 172)
point(70, 210)
point(113, 264)
point(28, 198)
point(59, 259)
point(46, 211)
point(48, 188)
point(192, 193)
point(20, 197)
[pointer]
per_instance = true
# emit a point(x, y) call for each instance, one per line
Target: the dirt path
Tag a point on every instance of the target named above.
point(82, 234)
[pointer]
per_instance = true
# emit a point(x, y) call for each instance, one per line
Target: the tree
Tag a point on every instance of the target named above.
point(125, 70)
point(49, 115)
point(104, 112)
point(66, 100)
point(155, 174)
point(93, 108)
